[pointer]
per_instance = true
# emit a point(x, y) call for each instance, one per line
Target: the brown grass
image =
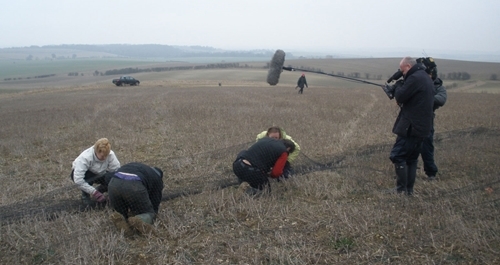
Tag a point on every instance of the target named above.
point(335, 213)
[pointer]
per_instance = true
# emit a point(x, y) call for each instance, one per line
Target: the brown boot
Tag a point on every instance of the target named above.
point(138, 224)
point(120, 223)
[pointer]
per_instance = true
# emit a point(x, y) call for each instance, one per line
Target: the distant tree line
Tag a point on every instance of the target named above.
point(126, 71)
point(456, 76)
point(162, 51)
point(74, 74)
point(29, 77)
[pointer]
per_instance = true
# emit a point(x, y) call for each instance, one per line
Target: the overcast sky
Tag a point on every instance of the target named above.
point(322, 25)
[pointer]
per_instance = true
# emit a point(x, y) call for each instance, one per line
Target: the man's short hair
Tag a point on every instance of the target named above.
point(409, 60)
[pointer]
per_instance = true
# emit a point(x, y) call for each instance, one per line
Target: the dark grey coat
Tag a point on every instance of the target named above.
point(416, 98)
point(440, 95)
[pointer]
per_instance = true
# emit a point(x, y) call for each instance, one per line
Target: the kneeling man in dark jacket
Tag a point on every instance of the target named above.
point(135, 191)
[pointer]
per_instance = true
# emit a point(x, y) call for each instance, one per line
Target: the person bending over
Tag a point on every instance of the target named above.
point(135, 193)
point(266, 158)
point(276, 132)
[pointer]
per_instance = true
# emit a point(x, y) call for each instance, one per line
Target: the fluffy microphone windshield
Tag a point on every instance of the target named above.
point(275, 67)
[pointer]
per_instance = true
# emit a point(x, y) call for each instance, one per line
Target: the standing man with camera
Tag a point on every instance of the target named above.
point(416, 99)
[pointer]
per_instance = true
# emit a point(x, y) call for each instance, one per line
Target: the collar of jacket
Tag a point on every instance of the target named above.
point(438, 82)
point(413, 69)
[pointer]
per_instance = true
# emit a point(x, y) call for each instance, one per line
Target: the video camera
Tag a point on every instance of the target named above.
point(390, 89)
point(430, 68)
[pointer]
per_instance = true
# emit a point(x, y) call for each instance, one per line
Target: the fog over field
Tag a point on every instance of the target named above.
point(465, 30)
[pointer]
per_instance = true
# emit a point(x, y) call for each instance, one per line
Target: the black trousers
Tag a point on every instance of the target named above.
point(254, 176)
point(404, 155)
point(129, 195)
point(427, 153)
point(92, 178)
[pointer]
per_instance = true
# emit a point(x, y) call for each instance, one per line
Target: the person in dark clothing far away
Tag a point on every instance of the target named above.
point(266, 158)
point(135, 193)
point(415, 99)
point(301, 83)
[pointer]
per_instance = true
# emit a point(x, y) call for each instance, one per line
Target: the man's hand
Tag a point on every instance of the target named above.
point(389, 91)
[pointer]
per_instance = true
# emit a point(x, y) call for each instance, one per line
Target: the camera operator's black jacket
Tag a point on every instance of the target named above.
point(416, 98)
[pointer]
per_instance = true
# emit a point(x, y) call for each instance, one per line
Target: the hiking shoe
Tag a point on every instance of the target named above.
point(244, 186)
point(121, 224)
point(431, 177)
point(139, 225)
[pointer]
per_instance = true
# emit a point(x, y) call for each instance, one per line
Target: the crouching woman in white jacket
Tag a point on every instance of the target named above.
point(90, 167)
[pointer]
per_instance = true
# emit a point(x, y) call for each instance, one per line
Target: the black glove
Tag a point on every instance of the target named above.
point(391, 89)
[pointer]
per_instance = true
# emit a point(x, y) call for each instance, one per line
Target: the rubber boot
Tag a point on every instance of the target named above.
point(121, 224)
point(142, 223)
point(146, 217)
point(254, 192)
point(401, 177)
point(412, 175)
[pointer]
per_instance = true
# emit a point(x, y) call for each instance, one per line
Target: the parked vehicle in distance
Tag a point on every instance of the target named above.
point(126, 80)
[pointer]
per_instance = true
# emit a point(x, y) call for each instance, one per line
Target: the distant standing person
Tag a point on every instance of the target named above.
point(266, 158)
point(440, 97)
point(301, 83)
point(135, 192)
point(90, 167)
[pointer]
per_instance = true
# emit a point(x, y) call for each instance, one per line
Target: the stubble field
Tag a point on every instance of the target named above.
point(333, 211)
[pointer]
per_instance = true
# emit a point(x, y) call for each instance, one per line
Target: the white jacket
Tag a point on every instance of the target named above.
point(87, 160)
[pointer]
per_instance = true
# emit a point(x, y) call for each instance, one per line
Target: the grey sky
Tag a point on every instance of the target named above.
point(322, 25)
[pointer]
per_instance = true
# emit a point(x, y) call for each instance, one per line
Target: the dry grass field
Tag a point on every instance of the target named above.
point(333, 211)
